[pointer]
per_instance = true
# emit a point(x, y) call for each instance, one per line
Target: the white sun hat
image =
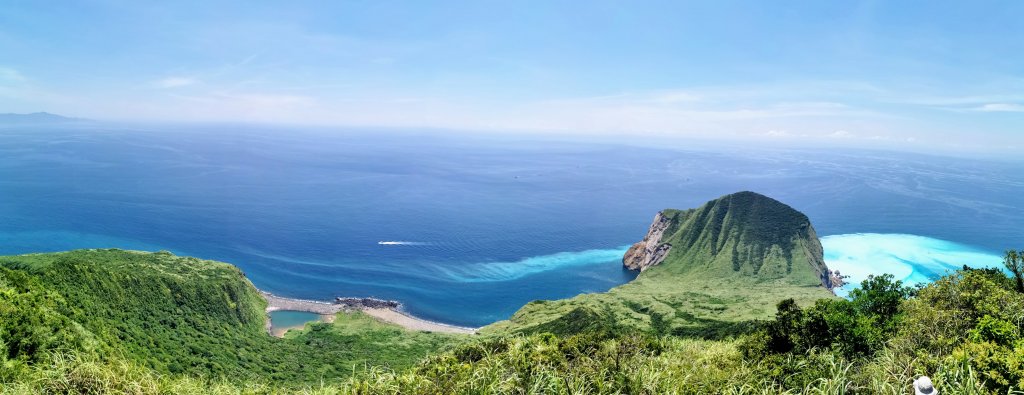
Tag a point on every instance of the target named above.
point(923, 386)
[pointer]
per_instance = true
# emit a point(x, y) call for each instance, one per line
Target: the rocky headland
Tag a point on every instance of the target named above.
point(745, 234)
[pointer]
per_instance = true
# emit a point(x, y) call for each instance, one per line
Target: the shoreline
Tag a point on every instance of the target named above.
point(391, 315)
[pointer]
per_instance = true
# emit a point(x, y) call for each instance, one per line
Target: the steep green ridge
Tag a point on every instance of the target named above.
point(178, 315)
point(731, 261)
point(745, 236)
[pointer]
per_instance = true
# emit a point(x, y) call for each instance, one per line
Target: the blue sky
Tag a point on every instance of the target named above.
point(946, 75)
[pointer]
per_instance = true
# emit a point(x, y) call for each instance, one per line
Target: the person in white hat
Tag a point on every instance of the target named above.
point(923, 386)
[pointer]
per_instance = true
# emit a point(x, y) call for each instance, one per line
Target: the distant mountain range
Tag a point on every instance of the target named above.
point(36, 118)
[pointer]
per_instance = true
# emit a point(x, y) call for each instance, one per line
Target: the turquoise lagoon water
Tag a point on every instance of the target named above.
point(291, 319)
point(464, 229)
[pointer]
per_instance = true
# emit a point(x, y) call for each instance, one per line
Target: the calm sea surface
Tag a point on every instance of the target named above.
point(466, 230)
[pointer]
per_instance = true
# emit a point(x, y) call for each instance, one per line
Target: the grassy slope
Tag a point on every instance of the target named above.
point(517, 365)
point(934, 338)
point(732, 260)
point(184, 315)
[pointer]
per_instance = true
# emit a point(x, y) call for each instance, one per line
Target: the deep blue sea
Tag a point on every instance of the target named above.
point(472, 227)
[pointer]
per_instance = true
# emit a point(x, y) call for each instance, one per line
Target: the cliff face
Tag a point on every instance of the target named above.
point(650, 251)
point(742, 234)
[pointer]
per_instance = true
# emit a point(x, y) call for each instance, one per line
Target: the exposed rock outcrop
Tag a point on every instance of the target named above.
point(340, 304)
point(837, 279)
point(371, 303)
point(650, 251)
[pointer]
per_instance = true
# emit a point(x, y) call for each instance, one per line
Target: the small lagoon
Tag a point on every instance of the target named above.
point(283, 320)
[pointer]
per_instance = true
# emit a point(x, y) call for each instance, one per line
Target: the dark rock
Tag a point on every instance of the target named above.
point(372, 303)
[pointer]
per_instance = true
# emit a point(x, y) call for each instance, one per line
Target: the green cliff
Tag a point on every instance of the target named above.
point(706, 271)
point(177, 315)
point(743, 235)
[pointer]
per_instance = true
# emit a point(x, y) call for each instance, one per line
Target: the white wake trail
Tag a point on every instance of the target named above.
point(403, 243)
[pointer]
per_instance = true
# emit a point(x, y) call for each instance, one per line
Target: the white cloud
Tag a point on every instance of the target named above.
point(266, 99)
point(24, 93)
point(841, 134)
point(10, 81)
point(703, 113)
point(957, 101)
point(174, 82)
point(777, 133)
point(676, 97)
point(9, 75)
point(221, 106)
point(1001, 107)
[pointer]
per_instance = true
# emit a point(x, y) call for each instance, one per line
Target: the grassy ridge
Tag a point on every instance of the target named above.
point(178, 315)
point(744, 236)
point(731, 261)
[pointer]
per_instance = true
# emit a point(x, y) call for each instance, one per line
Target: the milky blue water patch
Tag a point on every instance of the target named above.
point(291, 319)
point(506, 271)
point(910, 258)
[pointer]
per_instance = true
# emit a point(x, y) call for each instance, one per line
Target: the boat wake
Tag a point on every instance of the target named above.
point(403, 243)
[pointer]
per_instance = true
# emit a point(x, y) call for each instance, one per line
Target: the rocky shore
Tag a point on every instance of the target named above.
point(373, 303)
point(275, 303)
point(837, 279)
point(384, 310)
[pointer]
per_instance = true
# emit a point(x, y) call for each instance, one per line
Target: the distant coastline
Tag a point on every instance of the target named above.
point(383, 310)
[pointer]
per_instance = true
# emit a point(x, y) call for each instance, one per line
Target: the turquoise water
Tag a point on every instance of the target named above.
point(291, 319)
point(909, 258)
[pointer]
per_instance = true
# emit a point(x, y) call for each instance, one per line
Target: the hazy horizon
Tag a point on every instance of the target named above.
point(918, 77)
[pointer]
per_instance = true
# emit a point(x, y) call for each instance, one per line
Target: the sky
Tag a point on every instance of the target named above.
point(942, 75)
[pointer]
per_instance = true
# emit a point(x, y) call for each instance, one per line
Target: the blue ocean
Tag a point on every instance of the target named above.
point(465, 229)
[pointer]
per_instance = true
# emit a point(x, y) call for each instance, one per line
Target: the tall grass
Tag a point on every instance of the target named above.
point(537, 365)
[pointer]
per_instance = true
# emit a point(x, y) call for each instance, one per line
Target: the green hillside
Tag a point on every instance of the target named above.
point(745, 236)
point(179, 315)
point(964, 331)
point(731, 261)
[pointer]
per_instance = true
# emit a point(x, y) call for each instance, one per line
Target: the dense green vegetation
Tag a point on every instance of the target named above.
point(177, 315)
point(731, 261)
point(964, 331)
point(745, 236)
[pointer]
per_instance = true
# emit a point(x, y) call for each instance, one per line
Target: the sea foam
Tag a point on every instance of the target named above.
point(505, 271)
point(910, 258)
